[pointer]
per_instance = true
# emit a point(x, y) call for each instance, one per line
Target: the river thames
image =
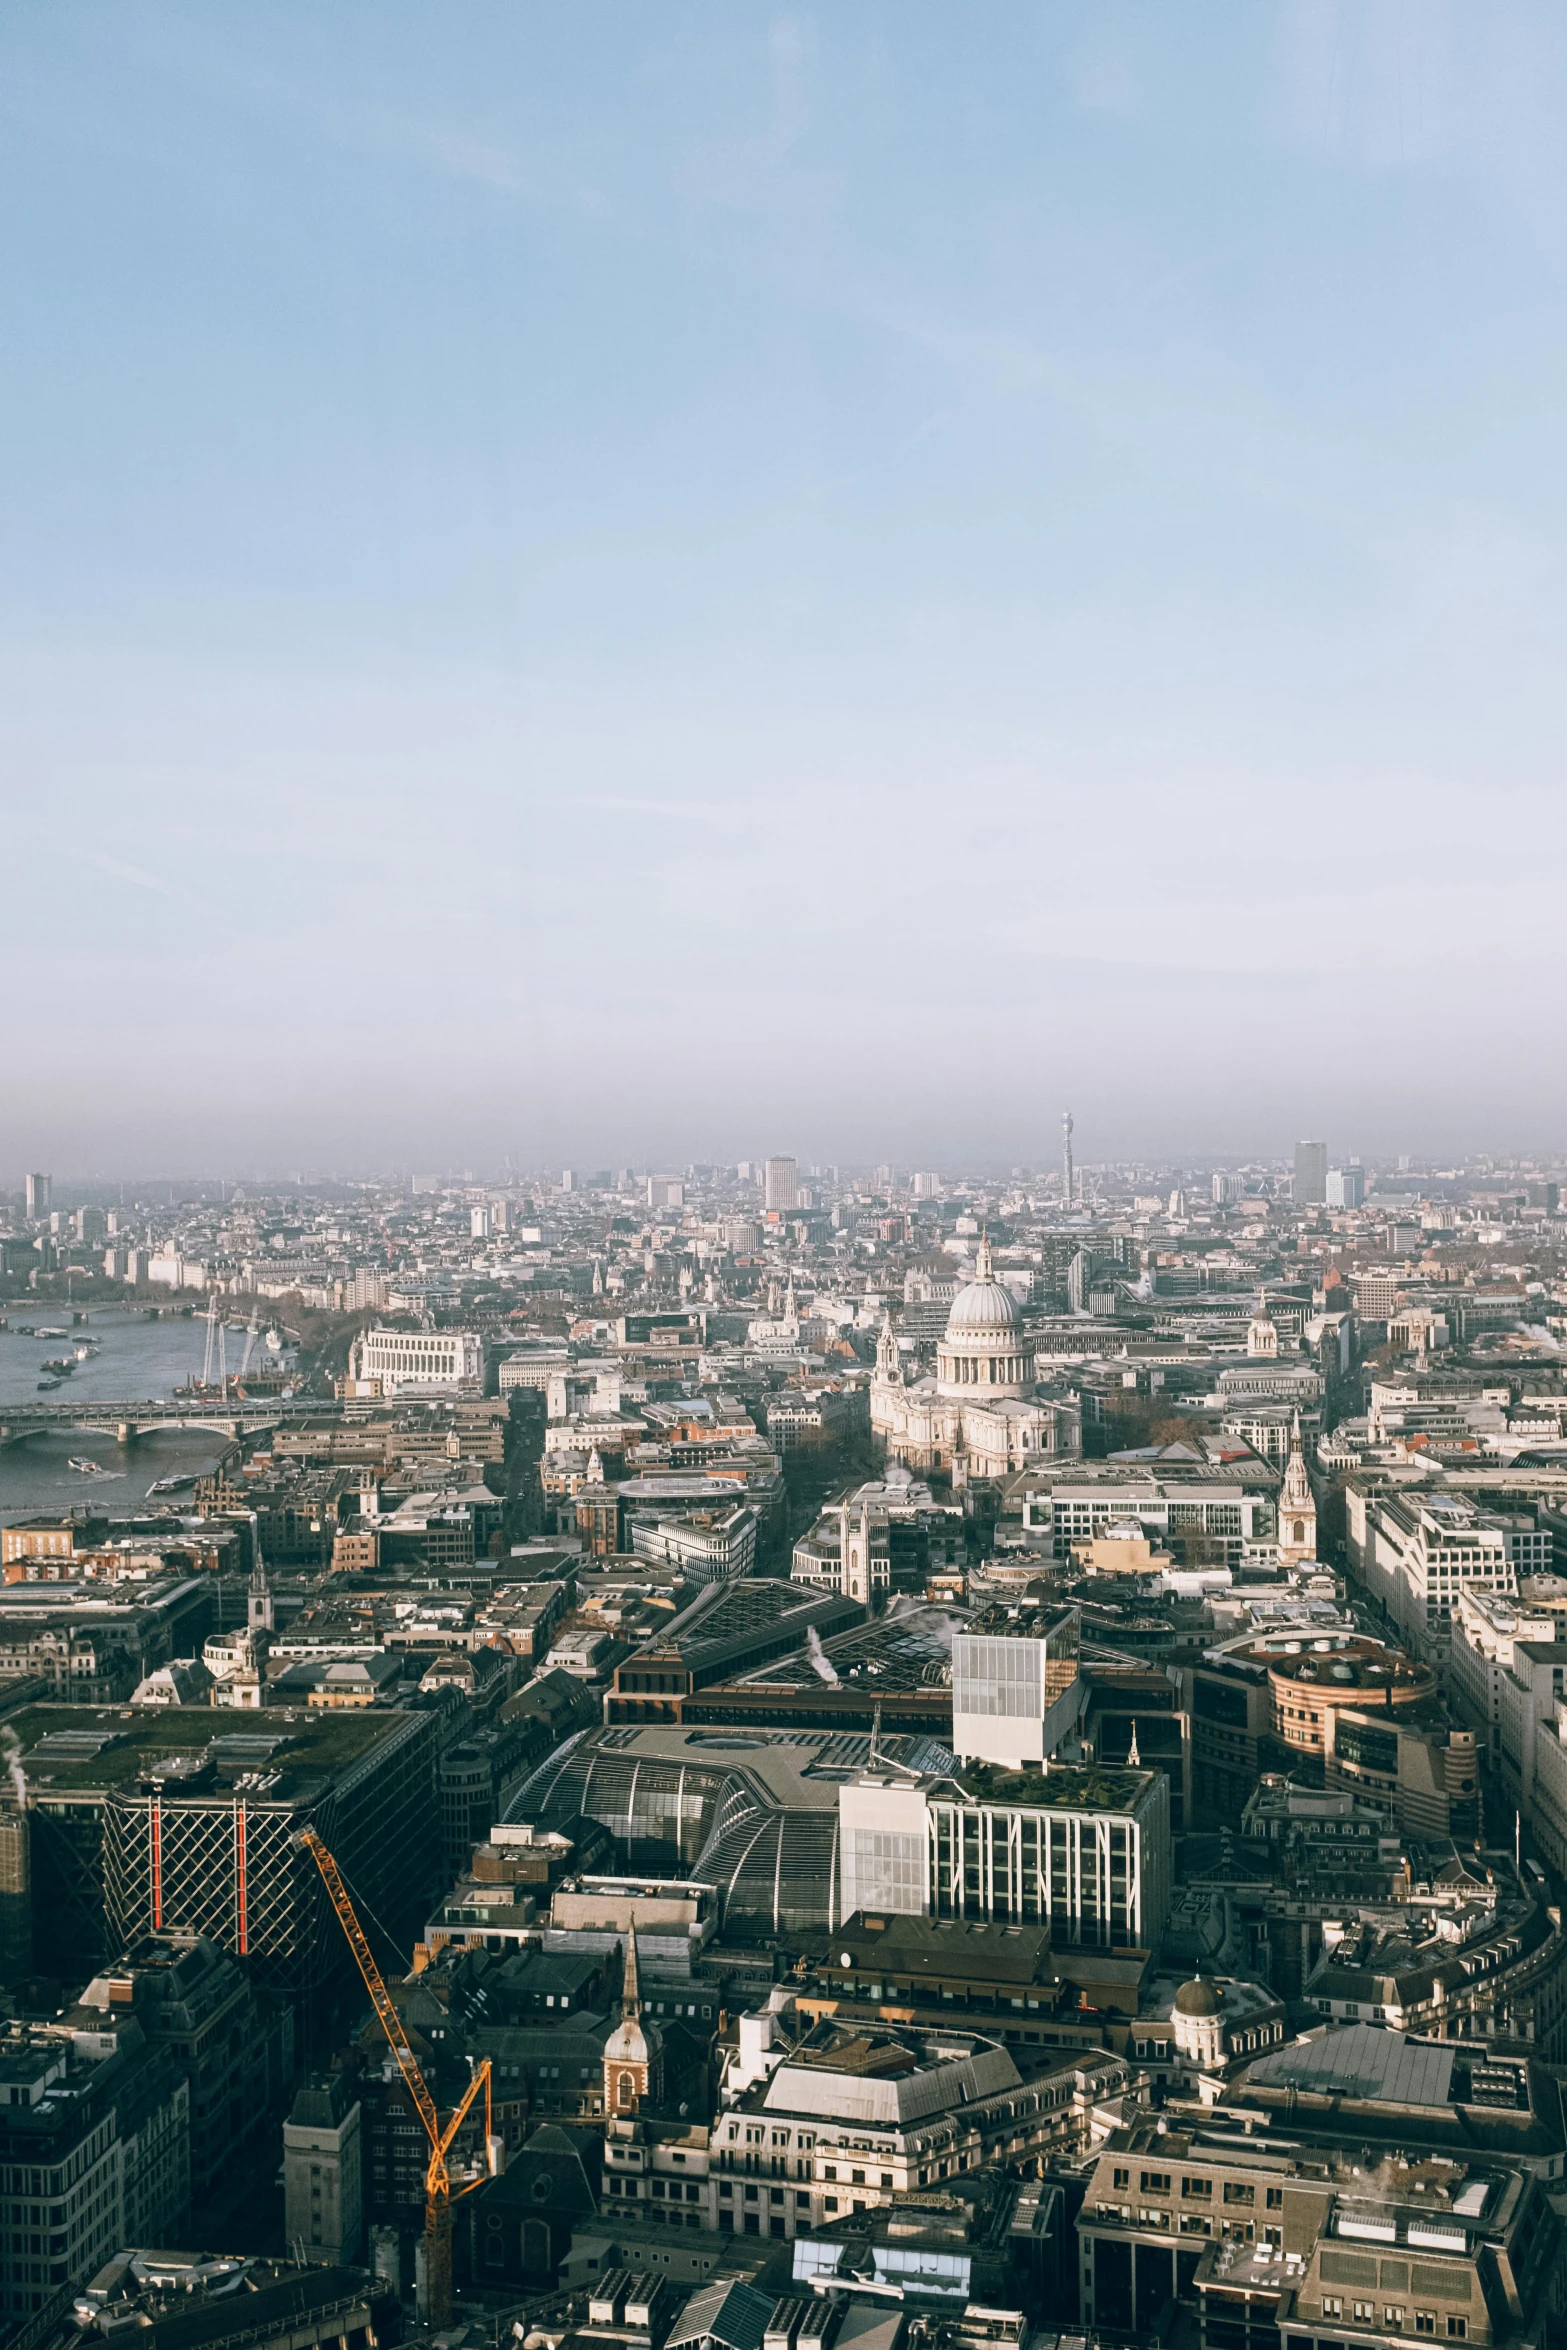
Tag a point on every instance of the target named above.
point(133, 1358)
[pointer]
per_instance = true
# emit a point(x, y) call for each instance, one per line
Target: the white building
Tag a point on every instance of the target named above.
point(1015, 1689)
point(708, 1546)
point(1085, 1847)
point(418, 1358)
point(1423, 1550)
point(837, 2117)
point(781, 1186)
point(978, 1417)
point(1485, 1629)
point(169, 1270)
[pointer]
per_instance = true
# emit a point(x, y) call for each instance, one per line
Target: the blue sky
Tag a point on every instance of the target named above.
point(655, 581)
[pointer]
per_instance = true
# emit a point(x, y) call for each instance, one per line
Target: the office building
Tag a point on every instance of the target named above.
point(1386, 2190)
point(1084, 1847)
point(174, 2300)
point(94, 2153)
point(1311, 1174)
point(166, 1822)
point(1015, 1688)
point(38, 1189)
point(781, 1188)
point(853, 2114)
point(233, 2043)
point(1346, 1186)
point(398, 1359)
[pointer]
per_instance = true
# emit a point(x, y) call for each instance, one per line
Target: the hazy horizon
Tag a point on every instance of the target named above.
point(608, 586)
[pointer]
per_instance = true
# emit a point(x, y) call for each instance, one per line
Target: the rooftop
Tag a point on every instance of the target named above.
point(1057, 1786)
point(87, 1749)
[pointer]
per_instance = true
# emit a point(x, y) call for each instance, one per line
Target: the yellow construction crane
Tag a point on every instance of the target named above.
point(439, 2193)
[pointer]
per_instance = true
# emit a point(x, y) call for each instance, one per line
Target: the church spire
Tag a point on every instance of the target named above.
point(984, 1270)
point(630, 1990)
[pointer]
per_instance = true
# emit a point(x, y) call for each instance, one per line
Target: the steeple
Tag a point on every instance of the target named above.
point(630, 1990)
point(1297, 1485)
point(984, 1270)
point(1133, 1759)
point(259, 1613)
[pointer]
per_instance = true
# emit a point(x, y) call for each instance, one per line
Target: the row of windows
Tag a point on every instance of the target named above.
point(1364, 2313)
point(1198, 2189)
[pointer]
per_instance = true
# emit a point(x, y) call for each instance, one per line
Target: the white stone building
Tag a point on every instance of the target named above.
point(979, 1416)
point(418, 1358)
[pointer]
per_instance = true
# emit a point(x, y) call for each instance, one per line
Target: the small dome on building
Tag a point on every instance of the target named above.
point(1197, 1998)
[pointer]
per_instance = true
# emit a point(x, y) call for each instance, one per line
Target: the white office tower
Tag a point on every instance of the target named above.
point(883, 1844)
point(1068, 1176)
point(783, 1187)
point(478, 1223)
point(1226, 1190)
point(927, 1186)
point(1015, 1690)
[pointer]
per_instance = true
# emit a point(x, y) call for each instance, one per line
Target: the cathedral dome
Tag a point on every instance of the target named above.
point(985, 1306)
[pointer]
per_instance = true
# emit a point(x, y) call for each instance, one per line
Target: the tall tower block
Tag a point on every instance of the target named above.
point(1066, 1158)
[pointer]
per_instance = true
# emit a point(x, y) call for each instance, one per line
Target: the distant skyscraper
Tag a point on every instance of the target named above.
point(926, 1186)
point(1226, 1189)
point(1068, 1178)
point(1347, 1186)
point(783, 1189)
point(37, 1197)
point(1311, 1174)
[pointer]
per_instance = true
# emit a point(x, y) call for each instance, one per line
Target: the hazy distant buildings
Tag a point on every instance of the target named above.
point(1346, 1186)
point(37, 1197)
point(1311, 1174)
point(782, 1188)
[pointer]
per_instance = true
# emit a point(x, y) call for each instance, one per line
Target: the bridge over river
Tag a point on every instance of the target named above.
point(128, 1422)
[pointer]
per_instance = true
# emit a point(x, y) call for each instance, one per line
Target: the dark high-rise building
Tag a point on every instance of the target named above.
point(165, 1822)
